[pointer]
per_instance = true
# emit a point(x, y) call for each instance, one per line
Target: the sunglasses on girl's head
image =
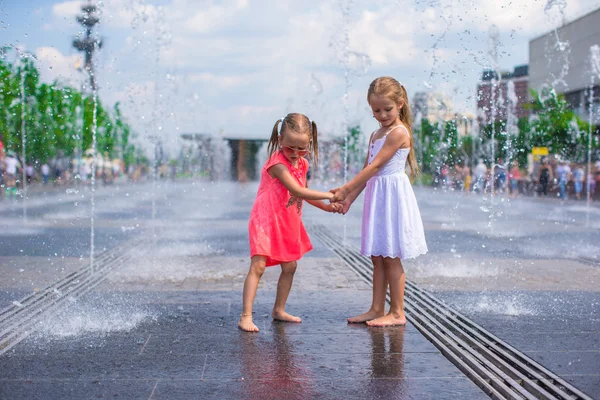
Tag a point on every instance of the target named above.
point(300, 152)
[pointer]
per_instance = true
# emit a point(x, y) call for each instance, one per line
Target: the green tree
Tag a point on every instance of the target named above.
point(557, 127)
point(427, 140)
point(356, 148)
point(437, 144)
point(57, 119)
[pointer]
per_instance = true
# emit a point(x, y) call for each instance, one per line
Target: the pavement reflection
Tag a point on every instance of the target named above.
point(272, 369)
point(387, 361)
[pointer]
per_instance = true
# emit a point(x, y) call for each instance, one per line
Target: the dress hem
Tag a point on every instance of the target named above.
point(407, 257)
point(272, 262)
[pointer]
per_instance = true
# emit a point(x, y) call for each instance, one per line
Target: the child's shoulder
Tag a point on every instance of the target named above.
point(305, 163)
point(400, 134)
point(400, 129)
point(275, 159)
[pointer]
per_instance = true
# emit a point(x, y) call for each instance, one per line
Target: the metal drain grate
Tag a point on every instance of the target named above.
point(499, 369)
point(18, 321)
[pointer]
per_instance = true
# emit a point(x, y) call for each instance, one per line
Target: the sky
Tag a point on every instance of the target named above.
point(233, 67)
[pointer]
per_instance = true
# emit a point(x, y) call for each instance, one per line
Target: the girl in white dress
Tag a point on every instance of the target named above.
point(392, 229)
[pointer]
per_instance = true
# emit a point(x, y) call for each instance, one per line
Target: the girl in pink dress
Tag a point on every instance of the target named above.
point(276, 232)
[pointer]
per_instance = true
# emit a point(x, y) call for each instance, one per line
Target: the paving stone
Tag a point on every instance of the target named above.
point(75, 389)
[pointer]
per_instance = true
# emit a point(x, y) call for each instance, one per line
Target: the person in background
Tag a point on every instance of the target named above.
point(468, 179)
point(578, 175)
point(480, 173)
point(595, 182)
point(13, 167)
point(545, 176)
point(563, 173)
point(45, 173)
point(458, 176)
point(29, 172)
point(500, 176)
point(2, 168)
point(514, 176)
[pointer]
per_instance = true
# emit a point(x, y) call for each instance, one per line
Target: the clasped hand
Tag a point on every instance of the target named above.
point(342, 205)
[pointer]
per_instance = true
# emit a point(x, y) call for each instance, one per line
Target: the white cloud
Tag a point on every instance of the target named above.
point(214, 16)
point(53, 65)
point(254, 60)
point(526, 16)
point(384, 36)
point(220, 82)
point(67, 9)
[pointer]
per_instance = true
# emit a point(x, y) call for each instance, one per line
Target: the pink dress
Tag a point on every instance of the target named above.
point(275, 227)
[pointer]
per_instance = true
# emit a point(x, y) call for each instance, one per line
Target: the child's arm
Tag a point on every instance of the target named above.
point(281, 172)
point(332, 207)
point(395, 140)
point(347, 202)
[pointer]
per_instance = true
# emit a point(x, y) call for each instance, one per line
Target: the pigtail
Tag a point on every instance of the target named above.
point(314, 144)
point(273, 141)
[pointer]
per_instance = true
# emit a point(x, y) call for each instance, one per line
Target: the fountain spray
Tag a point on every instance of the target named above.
point(595, 67)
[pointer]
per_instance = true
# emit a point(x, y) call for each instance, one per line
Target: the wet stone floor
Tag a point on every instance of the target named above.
point(163, 325)
point(189, 348)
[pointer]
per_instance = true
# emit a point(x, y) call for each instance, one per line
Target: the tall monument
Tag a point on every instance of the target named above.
point(88, 42)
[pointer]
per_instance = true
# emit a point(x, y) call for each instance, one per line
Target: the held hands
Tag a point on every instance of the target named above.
point(335, 208)
point(339, 194)
point(345, 206)
point(338, 200)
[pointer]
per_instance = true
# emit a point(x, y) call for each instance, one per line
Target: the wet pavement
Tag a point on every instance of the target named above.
point(164, 325)
point(561, 333)
point(527, 270)
point(189, 348)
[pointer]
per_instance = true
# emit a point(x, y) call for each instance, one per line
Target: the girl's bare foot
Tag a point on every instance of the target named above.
point(245, 323)
point(362, 318)
point(388, 320)
point(285, 317)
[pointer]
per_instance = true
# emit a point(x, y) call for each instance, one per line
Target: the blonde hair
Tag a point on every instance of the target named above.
point(297, 123)
point(392, 89)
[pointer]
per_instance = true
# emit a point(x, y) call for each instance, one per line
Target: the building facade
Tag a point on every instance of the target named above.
point(562, 59)
point(434, 106)
point(507, 90)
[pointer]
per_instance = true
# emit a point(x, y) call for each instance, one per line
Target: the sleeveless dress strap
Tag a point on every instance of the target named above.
point(399, 125)
point(372, 134)
point(388, 132)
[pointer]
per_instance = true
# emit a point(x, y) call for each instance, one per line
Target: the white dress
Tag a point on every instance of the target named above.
point(391, 221)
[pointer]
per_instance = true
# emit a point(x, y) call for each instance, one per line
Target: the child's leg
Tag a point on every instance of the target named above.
point(257, 269)
point(396, 279)
point(379, 291)
point(283, 290)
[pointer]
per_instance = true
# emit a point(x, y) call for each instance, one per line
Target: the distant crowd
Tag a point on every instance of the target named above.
point(548, 177)
point(58, 171)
